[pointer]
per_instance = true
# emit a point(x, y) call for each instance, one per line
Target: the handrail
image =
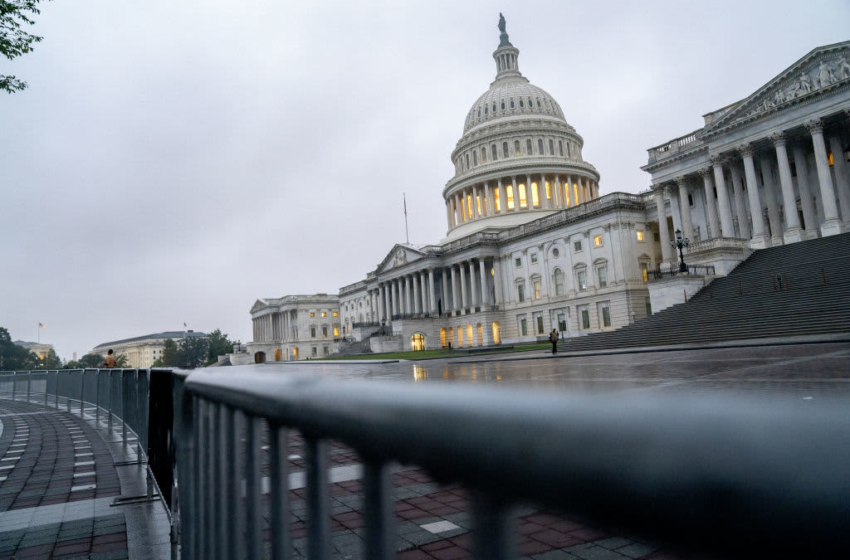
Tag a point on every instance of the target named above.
point(674, 468)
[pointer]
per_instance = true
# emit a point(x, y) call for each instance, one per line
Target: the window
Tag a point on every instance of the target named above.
point(538, 103)
point(540, 146)
point(548, 189)
point(523, 199)
point(518, 262)
point(639, 234)
point(485, 110)
point(324, 332)
point(644, 271)
point(585, 319)
point(533, 258)
point(539, 324)
point(551, 147)
point(510, 195)
point(325, 313)
point(467, 161)
point(602, 273)
point(556, 252)
point(336, 313)
point(561, 148)
point(503, 104)
point(326, 350)
point(517, 151)
point(523, 327)
point(474, 158)
point(582, 280)
point(497, 200)
point(494, 151)
point(535, 195)
point(512, 102)
point(520, 293)
point(535, 284)
point(505, 150)
point(521, 105)
point(597, 241)
point(315, 352)
point(312, 314)
point(577, 246)
point(494, 106)
point(562, 322)
point(478, 203)
point(313, 332)
point(417, 342)
point(559, 282)
point(483, 155)
point(528, 149)
point(336, 331)
point(606, 315)
point(691, 200)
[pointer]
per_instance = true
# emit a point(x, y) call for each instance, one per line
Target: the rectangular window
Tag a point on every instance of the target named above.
point(517, 151)
point(469, 206)
point(577, 246)
point(644, 270)
point(559, 283)
point(582, 280)
point(520, 292)
point(313, 332)
point(324, 313)
point(478, 202)
point(548, 190)
point(540, 146)
point(510, 197)
point(535, 195)
point(335, 313)
point(498, 200)
point(312, 314)
point(536, 286)
point(315, 352)
point(562, 322)
point(602, 272)
point(518, 262)
point(539, 324)
point(523, 197)
point(523, 327)
point(606, 317)
point(336, 331)
point(533, 258)
point(639, 234)
point(585, 319)
point(597, 241)
point(324, 332)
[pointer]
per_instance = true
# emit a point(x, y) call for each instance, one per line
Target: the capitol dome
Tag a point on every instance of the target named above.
point(518, 157)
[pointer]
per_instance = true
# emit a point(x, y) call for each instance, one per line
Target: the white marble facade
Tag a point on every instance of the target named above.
point(531, 245)
point(292, 328)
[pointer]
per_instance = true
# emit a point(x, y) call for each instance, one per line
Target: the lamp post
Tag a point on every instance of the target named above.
point(680, 243)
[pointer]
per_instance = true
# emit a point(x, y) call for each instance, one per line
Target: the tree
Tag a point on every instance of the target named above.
point(51, 361)
point(169, 354)
point(219, 345)
point(92, 361)
point(14, 41)
point(14, 357)
point(192, 352)
point(122, 361)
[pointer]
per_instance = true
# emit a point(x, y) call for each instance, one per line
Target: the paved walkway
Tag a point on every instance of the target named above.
point(59, 478)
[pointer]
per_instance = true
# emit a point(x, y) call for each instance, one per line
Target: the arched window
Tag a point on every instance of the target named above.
point(561, 148)
point(494, 106)
point(497, 338)
point(505, 150)
point(558, 278)
point(536, 289)
point(467, 161)
point(483, 155)
point(417, 342)
point(530, 104)
point(512, 102)
point(474, 158)
point(443, 337)
point(469, 339)
point(551, 147)
point(538, 103)
point(517, 151)
point(494, 152)
point(521, 104)
point(503, 104)
point(528, 149)
point(479, 112)
point(485, 110)
point(540, 146)
point(568, 151)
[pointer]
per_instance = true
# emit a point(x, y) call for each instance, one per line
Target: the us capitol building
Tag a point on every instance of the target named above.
point(532, 246)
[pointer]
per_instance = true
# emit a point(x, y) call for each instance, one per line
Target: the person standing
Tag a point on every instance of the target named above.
point(110, 360)
point(553, 338)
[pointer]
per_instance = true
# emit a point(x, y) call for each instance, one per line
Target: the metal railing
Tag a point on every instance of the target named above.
point(677, 469)
point(693, 270)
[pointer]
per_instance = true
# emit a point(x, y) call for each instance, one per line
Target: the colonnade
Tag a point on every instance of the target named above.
point(463, 287)
point(519, 192)
point(276, 326)
point(776, 220)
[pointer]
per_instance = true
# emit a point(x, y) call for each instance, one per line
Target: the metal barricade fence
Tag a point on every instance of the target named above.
point(733, 477)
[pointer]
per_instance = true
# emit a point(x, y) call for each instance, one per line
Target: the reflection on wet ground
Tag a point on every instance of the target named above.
point(807, 369)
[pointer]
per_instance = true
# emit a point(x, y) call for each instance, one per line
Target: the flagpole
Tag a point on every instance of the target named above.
point(406, 232)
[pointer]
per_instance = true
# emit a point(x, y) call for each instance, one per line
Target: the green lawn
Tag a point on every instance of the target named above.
point(429, 354)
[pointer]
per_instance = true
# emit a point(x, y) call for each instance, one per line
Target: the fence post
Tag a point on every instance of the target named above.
point(68, 393)
point(123, 409)
point(46, 388)
point(82, 393)
point(29, 383)
point(14, 375)
point(110, 392)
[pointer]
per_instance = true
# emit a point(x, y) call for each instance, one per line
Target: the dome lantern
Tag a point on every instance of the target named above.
point(507, 65)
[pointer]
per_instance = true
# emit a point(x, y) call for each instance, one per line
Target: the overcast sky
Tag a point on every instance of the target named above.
point(172, 161)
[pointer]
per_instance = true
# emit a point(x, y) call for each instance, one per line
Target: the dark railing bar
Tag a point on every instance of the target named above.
point(194, 482)
point(217, 492)
point(379, 512)
point(209, 482)
point(253, 488)
point(227, 449)
point(240, 524)
point(318, 509)
point(279, 499)
point(494, 531)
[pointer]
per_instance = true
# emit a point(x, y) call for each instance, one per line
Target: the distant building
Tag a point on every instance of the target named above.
point(295, 328)
point(143, 351)
point(40, 349)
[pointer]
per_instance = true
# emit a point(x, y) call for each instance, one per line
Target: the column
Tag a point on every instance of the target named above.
point(455, 299)
point(793, 234)
point(685, 208)
point(475, 210)
point(379, 297)
point(711, 219)
point(473, 301)
point(674, 212)
point(417, 305)
point(529, 200)
point(497, 279)
point(772, 205)
point(580, 191)
point(806, 202)
point(449, 212)
point(556, 188)
point(488, 196)
point(502, 207)
point(445, 291)
point(394, 310)
point(516, 193)
point(485, 295)
point(759, 240)
point(830, 224)
point(663, 232)
point(842, 182)
point(461, 212)
point(723, 199)
point(431, 291)
point(569, 194)
point(740, 204)
point(463, 300)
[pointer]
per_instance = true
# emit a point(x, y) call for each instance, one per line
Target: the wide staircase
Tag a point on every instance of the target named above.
point(797, 289)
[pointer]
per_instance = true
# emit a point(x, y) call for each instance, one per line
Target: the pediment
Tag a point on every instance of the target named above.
point(820, 71)
point(399, 256)
point(259, 305)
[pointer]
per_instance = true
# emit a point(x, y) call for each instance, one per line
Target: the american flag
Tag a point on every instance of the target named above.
point(185, 325)
point(40, 325)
